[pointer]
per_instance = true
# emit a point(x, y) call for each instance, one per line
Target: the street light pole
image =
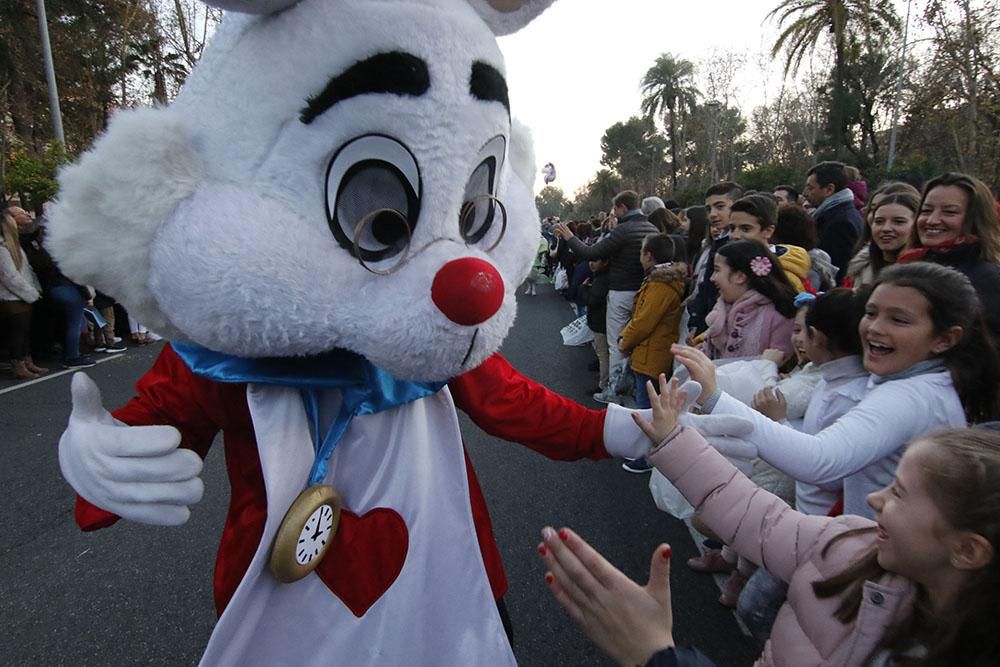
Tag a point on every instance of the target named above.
point(50, 73)
point(899, 92)
point(715, 105)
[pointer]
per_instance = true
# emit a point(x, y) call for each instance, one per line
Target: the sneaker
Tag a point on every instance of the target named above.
point(100, 348)
point(732, 588)
point(83, 361)
point(711, 562)
point(637, 466)
point(607, 396)
point(113, 349)
point(116, 340)
point(152, 337)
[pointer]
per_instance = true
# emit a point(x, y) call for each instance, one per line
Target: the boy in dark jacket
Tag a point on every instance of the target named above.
point(594, 294)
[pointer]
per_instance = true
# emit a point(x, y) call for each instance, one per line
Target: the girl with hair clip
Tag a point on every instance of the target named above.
point(755, 307)
point(957, 226)
point(932, 365)
point(919, 584)
point(831, 341)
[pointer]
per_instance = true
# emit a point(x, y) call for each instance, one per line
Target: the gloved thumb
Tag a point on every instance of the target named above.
point(692, 391)
point(87, 405)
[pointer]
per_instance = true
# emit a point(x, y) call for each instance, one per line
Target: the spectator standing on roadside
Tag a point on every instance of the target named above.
point(625, 275)
point(19, 289)
point(719, 199)
point(838, 222)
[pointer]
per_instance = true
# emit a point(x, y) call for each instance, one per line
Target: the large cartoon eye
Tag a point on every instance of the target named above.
point(373, 199)
point(482, 215)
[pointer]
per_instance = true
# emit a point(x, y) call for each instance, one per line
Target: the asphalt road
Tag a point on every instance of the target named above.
point(135, 594)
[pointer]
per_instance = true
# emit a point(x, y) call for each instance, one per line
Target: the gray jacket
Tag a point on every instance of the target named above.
point(622, 247)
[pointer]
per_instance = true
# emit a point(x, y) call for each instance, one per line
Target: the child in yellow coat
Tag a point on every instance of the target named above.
point(656, 317)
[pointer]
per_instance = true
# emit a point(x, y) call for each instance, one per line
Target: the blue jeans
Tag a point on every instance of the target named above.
point(69, 298)
point(641, 395)
point(760, 601)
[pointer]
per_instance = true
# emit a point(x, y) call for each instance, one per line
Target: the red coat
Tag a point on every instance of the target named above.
point(501, 401)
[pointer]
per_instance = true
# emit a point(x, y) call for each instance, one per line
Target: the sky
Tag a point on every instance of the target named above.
point(575, 70)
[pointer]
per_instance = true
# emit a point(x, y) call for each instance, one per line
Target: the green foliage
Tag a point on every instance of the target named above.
point(33, 175)
point(767, 176)
point(551, 201)
point(635, 151)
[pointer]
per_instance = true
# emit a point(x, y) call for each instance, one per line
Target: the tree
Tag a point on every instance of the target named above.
point(551, 201)
point(808, 21)
point(636, 151)
point(668, 91)
point(597, 194)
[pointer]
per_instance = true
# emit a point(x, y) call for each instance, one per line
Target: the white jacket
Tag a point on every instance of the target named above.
point(17, 285)
point(844, 384)
point(864, 446)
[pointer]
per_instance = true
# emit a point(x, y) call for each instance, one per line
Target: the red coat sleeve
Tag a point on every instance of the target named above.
point(510, 406)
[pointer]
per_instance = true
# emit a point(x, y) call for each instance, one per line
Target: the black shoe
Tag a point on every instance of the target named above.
point(637, 466)
point(83, 361)
point(113, 349)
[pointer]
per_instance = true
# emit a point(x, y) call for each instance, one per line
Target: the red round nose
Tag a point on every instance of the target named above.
point(468, 290)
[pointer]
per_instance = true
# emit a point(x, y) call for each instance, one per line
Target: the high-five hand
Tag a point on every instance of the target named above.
point(699, 367)
point(629, 622)
point(666, 406)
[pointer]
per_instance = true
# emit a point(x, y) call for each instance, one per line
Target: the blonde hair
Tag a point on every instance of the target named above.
point(12, 239)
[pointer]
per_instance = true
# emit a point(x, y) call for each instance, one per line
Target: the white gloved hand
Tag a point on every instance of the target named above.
point(623, 437)
point(137, 472)
point(728, 434)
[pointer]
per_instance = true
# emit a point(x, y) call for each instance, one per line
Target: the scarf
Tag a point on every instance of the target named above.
point(919, 368)
point(917, 254)
point(835, 199)
point(729, 325)
point(365, 388)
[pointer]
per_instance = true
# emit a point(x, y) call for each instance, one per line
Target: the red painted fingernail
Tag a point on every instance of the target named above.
point(542, 549)
point(549, 578)
point(563, 534)
point(666, 553)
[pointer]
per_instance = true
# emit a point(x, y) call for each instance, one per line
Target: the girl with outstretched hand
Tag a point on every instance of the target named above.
point(933, 365)
point(918, 585)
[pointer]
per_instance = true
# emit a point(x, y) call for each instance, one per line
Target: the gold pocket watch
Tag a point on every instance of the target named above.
point(305, 534)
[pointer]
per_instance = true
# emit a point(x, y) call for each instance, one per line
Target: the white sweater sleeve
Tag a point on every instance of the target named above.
point(14, 281)
point(890, 416)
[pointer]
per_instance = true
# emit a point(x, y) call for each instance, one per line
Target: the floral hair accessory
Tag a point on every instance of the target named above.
point(802, 298)
point(761, 266)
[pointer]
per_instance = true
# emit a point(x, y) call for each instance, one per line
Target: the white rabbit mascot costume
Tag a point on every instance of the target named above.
point(329, 223)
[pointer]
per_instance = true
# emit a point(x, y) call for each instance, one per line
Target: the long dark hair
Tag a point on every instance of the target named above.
point(774, 285)
point(697, 231)
point(908, 199)
point(974, 362)
point(836, 314)
point(964, 484)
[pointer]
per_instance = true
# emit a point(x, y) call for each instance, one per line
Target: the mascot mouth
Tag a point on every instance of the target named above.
point(468, 352)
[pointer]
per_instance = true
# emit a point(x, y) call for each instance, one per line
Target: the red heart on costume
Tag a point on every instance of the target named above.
point(365, 558)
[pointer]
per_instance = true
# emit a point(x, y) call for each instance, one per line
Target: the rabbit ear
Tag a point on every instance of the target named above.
point(507, 16)
point(252, 6)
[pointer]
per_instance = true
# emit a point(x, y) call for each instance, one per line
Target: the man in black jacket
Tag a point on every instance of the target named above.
point(621, 248)
point(838, 223)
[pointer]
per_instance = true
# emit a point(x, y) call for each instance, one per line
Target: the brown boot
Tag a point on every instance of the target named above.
point(21, 371)
point(33, 367)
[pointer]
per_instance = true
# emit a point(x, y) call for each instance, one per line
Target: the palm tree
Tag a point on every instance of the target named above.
point(668, 89)
point(810, 19)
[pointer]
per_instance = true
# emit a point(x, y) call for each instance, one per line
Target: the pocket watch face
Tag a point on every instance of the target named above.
point(315, 535)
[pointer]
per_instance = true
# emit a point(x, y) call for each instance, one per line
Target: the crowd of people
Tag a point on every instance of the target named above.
point(42, 312)
point(847, 341)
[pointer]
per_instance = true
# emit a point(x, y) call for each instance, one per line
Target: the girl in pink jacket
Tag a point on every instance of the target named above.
point(919, 584)
point(755, 308)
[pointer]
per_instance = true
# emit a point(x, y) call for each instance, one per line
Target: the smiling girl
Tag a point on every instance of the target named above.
point(918, 585)
point(932, 366)
point(957, 226)
point(891, 215)
point(755, 307)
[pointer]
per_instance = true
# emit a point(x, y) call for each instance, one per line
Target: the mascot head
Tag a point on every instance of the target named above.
point(336, 174)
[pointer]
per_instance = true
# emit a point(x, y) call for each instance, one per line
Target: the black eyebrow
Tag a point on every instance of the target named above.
point(395, 72)
point(487, 84)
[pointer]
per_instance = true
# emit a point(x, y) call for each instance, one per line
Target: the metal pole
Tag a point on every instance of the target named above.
point(50, 73)
point(899, 92)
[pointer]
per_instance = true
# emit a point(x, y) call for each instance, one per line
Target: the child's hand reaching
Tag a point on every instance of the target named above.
point(666, 406)
point(771, 403)
point(699, 367)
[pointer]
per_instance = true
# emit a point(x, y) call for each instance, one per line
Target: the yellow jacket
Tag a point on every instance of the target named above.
point(656, 320)
point(796, 263)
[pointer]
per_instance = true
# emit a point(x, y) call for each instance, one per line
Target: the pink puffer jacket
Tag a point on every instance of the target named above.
point(765, 530)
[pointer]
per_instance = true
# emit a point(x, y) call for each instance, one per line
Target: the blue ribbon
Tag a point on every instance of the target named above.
point(365, 388)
